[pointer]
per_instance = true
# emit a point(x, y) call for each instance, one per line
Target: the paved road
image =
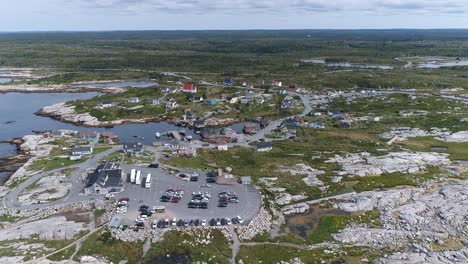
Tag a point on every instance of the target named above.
point(11, 199)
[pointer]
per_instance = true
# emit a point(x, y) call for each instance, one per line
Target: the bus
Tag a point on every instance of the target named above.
point(132, 176)
point(138, 178)
point(148, 181)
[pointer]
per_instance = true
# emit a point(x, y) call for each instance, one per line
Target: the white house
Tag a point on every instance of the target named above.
point(156, 101)
point(222, 145)
point(105, 104)
point(277, 83)
point(82, 150)
point(267, 146)
point(133, 100)
point(232, 100)
point(171, 104)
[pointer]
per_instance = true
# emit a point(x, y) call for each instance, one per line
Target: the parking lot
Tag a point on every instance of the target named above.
point(247, 207)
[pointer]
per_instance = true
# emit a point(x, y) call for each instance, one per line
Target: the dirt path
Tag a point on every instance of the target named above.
point(75, 243)
point(78, 246)
point(235, 245)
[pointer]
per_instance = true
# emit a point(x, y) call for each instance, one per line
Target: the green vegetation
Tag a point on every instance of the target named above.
point(103, 244)
point(457, 151)
point(9, 218)
point(48, 164)
point(63, 255)
point(9, 249)
point(97, 215)
point(180, 242)
point(275, 253)
point(395, 179)
point(128, 158)
point(331, 224)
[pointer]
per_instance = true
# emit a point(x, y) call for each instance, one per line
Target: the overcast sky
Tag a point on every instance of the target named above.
point(33, 15)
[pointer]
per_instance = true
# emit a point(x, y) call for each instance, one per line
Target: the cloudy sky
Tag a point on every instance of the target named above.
point(32, 15)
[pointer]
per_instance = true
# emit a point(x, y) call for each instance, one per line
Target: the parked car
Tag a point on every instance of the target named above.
point(154, 165)
point(203, 222)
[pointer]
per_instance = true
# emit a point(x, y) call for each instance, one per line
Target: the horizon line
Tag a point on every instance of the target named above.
point(253, 29)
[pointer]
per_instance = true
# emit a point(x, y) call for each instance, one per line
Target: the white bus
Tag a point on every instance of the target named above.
point(132, 176)
point(148, 181)
point(138, 178)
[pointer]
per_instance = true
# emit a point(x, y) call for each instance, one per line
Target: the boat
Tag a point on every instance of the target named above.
point(10, 122)
point(157, 134)
point(182, 132)
point(189, 137)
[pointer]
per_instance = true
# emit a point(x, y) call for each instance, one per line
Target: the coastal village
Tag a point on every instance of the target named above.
point(224, 165)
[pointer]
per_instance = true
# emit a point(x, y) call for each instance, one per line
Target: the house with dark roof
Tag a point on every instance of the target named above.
point(199, 123)
point(106, 178)
point(266, 146)
point(82, 150)
point(133, 147)
point(105, 104)
point(133, 100)
point(228, 81)
point(287, 103)
point(89, 135)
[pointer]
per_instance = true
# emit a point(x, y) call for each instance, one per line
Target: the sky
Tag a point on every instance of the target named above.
point(97, 15)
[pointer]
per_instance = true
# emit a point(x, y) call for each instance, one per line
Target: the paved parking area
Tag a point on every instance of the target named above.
point(248, 206)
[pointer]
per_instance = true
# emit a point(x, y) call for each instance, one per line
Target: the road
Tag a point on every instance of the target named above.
point(11, 199)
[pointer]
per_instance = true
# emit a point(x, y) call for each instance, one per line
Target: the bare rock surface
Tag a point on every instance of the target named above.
point(67, 113)
point(458, 137)
point(53, 228)
point(410, 216)
point(364, 164)
point(309, 173)
point(441, 257)
point(48, 188)
point(412, 132)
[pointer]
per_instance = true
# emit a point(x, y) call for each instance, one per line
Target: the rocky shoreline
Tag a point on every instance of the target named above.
point(24, 88)
point(67, 114)
point(12, 163)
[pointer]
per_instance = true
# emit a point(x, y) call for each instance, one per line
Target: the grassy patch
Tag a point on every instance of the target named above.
point(48, 164)
point(457, 151)
point(9, 218)
point(276, 253)
point(62, 255)
point(395, 179)
point(176, 242)
point(128, 158)
point(331, 224)
point(103, 244)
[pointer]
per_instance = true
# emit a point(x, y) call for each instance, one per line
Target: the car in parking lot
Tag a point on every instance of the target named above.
point(203, 222)
point(174, 222)
point(155, 224)
point(218, 221)
point(186, 223)
point(153, 165)
point(240, 219)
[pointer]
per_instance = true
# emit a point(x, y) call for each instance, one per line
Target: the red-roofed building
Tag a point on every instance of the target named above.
point(189, 88)
point(222, 145)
